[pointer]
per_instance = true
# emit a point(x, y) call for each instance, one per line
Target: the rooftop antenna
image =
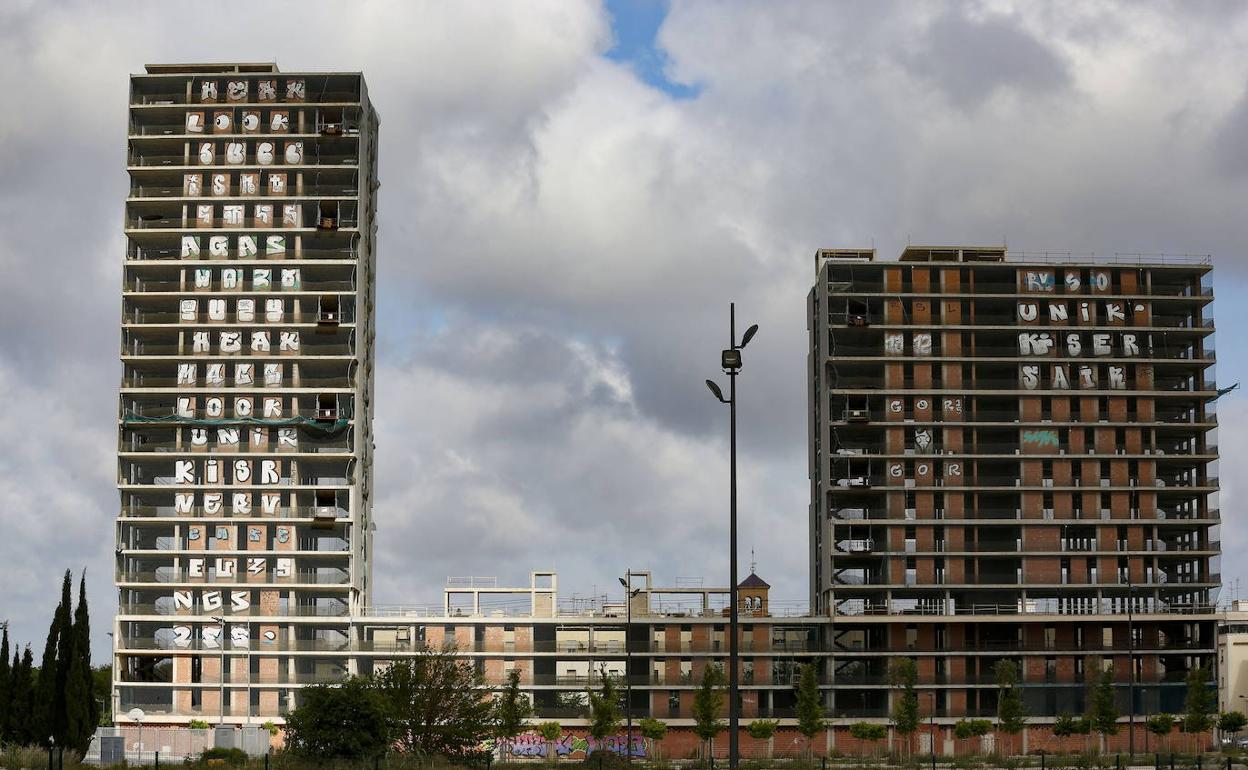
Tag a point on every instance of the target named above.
point(753, 564)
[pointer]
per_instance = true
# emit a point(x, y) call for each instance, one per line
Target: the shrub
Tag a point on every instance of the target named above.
point(199, 724)
point(607, 760)
point(235, 757)
point(762, 729)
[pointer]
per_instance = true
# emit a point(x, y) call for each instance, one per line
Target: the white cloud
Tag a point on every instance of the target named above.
point(558, 242)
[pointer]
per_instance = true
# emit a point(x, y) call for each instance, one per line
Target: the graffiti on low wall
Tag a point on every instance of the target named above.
point(570, 745)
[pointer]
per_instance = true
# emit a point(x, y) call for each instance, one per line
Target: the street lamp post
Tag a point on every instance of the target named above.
point(221, 641)
point(629, 593)
point(730, 361)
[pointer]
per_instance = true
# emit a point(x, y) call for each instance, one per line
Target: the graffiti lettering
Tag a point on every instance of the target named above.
point(568, 745)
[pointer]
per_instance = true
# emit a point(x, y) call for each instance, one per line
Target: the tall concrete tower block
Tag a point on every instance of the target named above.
point(245, 452)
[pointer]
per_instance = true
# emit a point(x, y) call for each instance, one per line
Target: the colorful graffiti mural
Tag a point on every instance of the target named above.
point(1040, 438)
point(569, 745)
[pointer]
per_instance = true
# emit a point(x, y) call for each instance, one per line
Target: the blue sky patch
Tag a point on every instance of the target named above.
point(635, 24)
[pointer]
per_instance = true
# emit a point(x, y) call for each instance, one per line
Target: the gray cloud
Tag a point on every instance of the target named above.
point(559, 242)
point(970, 59)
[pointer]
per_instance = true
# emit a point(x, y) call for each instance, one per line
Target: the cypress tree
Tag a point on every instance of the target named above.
point(16, 723)
point(49, 691)
point(6, 688)
point(64, 659)
point(81, 709)
point(82, 622)
point(24, 724)
point(43, 721)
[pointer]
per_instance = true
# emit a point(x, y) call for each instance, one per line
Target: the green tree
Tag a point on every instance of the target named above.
point(708, 704)
point(971, 728)
point(1160, 725)
point(1083, 726)
point(810, 711)
point(764, 730)
point(1063, 728)
point(604, 709)
point(1231, 722)
point(102, 686)
point(902, 675)
point(49, 718)
point(1199, 704)
point(1011, 716)
point(82, 710)
point(867, 732)
point(6, 692)
point(550, 732)
point(653, 729)
point(1102, 713)
point(349, 720)
point(512, 707)
point(24, 724)
point(439, 704)
point(65, 647)
point(965, 729)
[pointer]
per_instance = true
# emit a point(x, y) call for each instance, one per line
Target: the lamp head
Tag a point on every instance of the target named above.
point(623, 582)
point(715, 391)
point(749, 335)
point(730, 359)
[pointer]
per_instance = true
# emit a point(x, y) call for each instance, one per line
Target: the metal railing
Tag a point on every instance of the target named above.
point(310, 160)
point(198, 512)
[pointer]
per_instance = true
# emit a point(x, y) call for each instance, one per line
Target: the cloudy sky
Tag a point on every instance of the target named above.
point(571, 194)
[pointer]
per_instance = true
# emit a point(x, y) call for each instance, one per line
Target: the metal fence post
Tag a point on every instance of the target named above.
point(156, 761)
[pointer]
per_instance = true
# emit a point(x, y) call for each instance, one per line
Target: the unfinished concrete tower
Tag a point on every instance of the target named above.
point(1012, 458)
point(245, 455)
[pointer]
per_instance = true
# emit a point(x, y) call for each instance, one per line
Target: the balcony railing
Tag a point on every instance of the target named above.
point(167, 610)
point(198, 512)
point(155, 254)
point(310, 160)
point(256, 319)
point(176, 575)
point(316, 97)
point(306, 285)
